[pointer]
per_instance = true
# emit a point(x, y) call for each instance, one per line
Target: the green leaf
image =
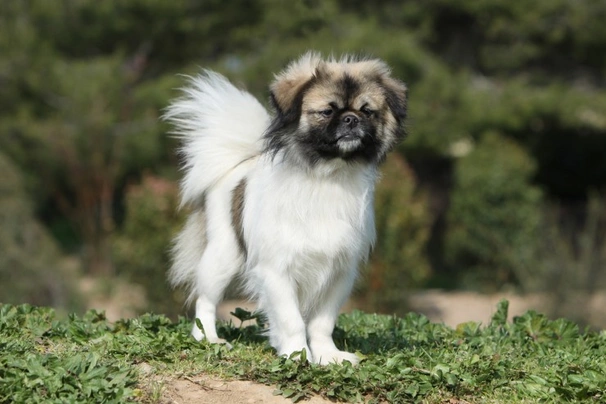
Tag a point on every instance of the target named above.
point(499, 318)
point(451, 379)
point(287, 392)
point(412, 390)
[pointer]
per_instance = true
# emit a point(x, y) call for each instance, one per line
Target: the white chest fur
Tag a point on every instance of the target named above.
point(294, 217)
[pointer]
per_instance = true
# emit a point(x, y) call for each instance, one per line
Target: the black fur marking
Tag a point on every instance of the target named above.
point(321, 144)
point(274, 102)
point(350, 88)
point(397, 103)
point(285, 122)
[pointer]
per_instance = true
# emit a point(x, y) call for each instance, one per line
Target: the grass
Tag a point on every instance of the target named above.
point(409, 359)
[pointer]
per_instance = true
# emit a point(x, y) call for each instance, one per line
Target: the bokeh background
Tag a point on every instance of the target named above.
point(499, 187)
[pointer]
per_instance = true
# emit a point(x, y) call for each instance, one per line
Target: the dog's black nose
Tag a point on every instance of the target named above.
point(350, 119)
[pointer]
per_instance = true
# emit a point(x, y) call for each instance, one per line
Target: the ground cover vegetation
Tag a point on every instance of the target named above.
point(406, 359)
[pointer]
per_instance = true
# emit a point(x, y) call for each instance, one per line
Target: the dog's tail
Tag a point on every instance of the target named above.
point(220, 127)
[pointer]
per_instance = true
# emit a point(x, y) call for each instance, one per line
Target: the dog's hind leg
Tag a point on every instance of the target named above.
point(218, 266)
point(220, 263)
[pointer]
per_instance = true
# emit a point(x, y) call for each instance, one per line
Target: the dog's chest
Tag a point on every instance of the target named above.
point(321, 216)
point(313, 216)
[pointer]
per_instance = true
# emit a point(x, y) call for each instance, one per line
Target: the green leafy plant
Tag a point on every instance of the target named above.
point(405, 359)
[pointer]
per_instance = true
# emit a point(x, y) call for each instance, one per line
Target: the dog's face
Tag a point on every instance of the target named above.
point(349, 110)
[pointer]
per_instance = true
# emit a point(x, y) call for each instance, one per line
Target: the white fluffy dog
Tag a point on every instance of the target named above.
point(285, 203)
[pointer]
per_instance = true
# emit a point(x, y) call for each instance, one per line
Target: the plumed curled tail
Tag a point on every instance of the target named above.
point(220, 126)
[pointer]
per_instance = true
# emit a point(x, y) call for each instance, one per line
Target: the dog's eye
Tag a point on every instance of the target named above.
point(367, 111)
point(326, 112)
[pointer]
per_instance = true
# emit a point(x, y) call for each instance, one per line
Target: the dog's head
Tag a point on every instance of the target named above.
point(348, 109)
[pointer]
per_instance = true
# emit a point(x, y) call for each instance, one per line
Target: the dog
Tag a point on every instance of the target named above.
point(284, 202)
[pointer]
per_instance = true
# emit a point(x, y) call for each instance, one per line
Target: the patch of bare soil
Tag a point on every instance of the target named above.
point(454, 308)
point(207, 390)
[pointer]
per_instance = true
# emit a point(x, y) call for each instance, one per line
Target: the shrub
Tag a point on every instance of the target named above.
point(494, 214)
point(141, 247)
point(403, 222)
point(31, 266)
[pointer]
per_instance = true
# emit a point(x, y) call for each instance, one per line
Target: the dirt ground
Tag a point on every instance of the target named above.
point(207, 390)
point(451, 308)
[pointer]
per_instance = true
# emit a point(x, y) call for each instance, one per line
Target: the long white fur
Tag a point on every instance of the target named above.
point(220, 127)
point(306, 229)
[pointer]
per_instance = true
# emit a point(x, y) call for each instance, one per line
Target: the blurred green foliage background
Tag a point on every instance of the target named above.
point(498, 186)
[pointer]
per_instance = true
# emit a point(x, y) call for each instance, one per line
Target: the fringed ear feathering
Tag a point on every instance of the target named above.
point(396, 95)
point(288, 84)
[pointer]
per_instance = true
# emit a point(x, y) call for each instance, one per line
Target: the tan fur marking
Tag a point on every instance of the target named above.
point(237, 213)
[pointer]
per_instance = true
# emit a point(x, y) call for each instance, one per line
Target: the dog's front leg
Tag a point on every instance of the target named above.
point(278, 299)
point(322, 323)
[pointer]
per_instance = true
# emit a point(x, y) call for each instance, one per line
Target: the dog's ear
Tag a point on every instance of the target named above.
point(289, 84)
point(396, 94)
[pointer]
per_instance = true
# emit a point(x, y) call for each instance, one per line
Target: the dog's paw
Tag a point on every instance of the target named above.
point(199, 336)
point(338, 357)
point(220, 341)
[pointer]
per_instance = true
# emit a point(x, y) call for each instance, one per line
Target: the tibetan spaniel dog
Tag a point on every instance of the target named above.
point(284, 202)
